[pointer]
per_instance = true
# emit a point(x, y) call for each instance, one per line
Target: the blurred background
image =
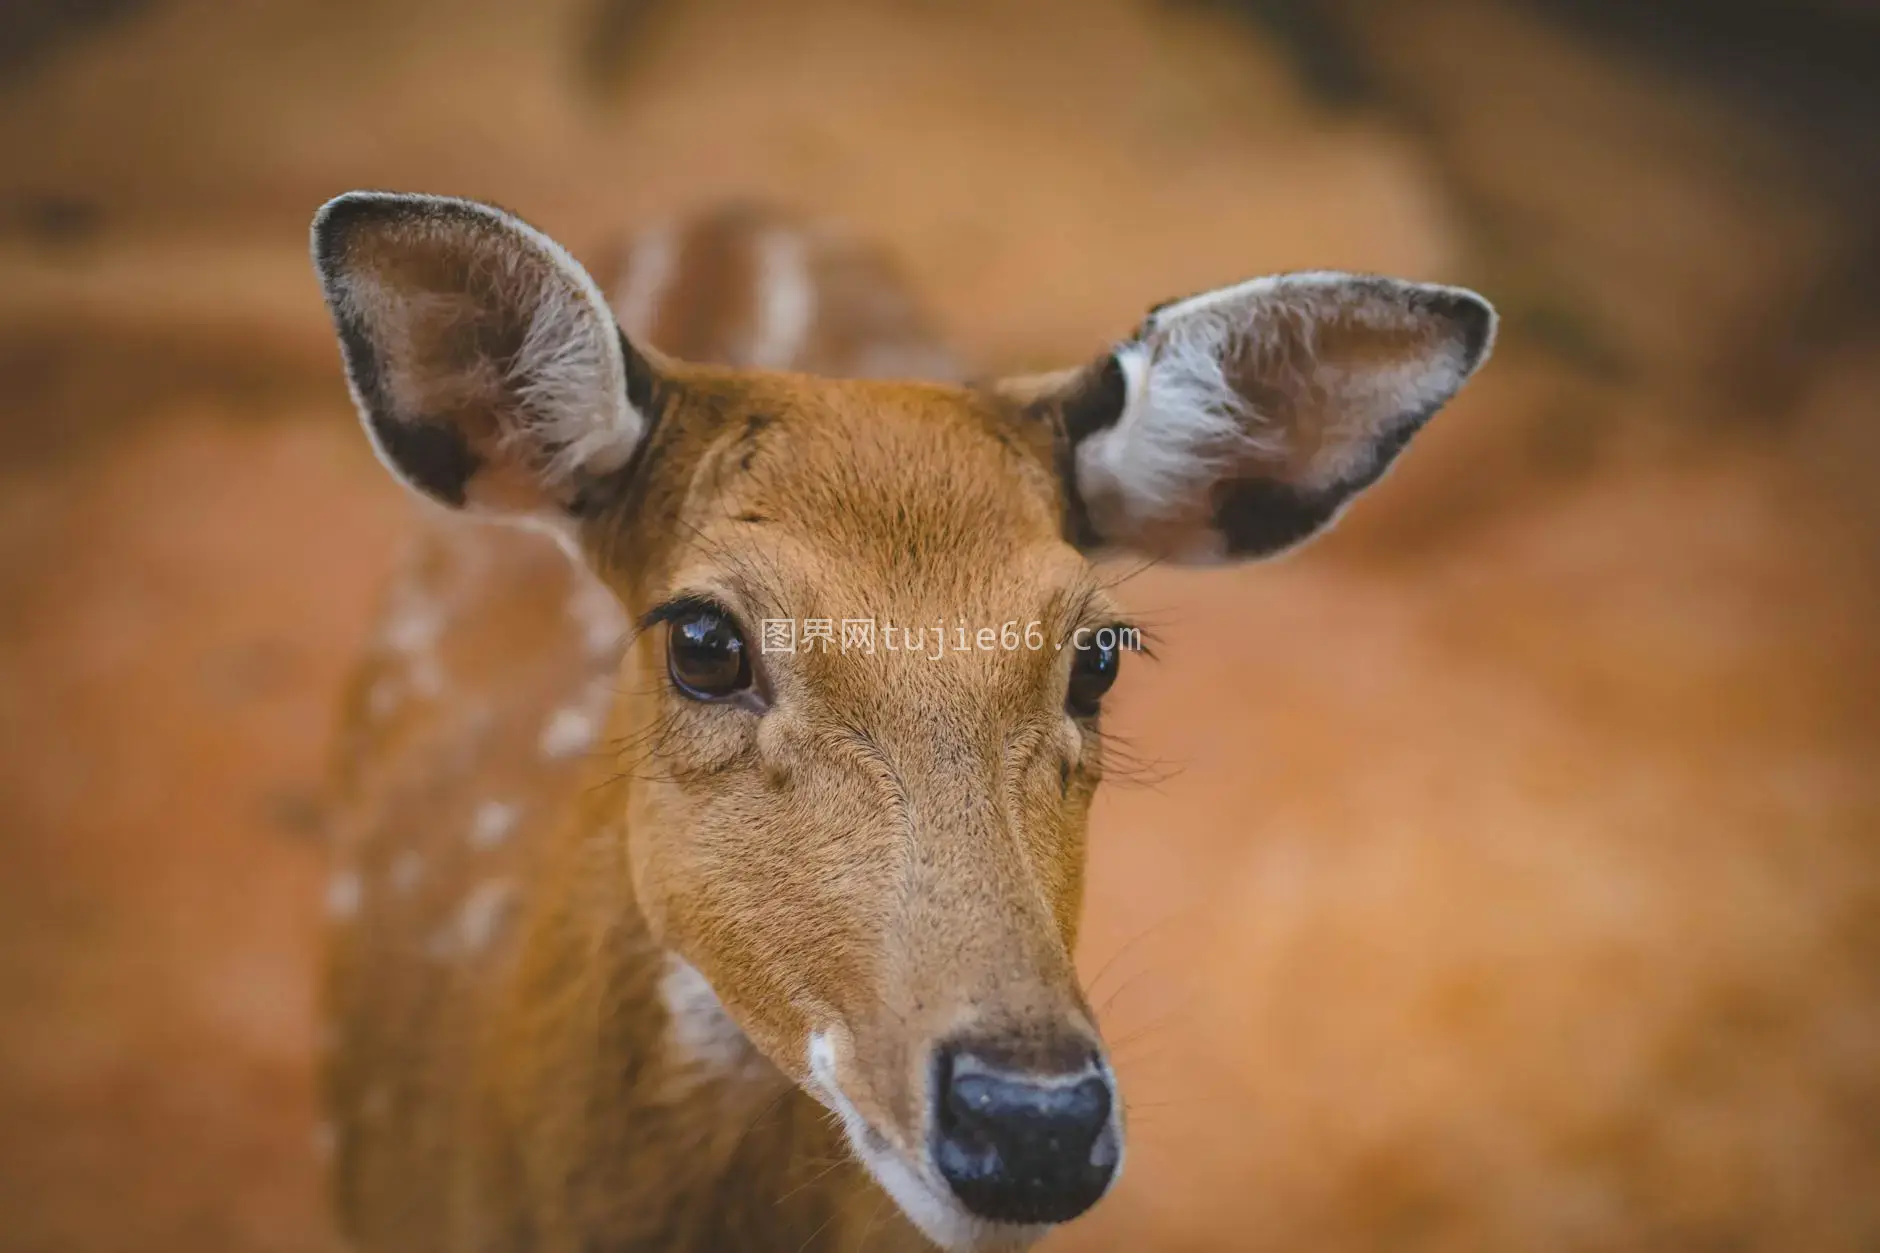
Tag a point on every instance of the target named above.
point(1503, 873)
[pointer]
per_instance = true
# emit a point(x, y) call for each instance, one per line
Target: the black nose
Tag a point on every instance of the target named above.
point(1020, 1146)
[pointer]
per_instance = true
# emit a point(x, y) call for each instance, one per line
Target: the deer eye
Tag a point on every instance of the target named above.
point(1093, 672)
point(705, 655)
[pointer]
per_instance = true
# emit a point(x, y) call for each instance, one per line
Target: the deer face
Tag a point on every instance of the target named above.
point(861, 728)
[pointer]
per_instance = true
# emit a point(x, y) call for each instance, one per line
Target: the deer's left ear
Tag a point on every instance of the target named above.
point(1238, 423)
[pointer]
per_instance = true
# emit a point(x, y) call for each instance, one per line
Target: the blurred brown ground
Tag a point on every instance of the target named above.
point(1504, 873)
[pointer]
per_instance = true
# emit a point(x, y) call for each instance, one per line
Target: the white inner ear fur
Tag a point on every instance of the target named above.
point(570, 377)
point(1181, 422)
point(1184, 425)
point(567, 382)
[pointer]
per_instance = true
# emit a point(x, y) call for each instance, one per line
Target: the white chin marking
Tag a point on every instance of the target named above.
point(925, 1199)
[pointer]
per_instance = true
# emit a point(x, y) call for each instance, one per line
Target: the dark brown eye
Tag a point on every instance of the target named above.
point(705, 655)
point(1093, 670)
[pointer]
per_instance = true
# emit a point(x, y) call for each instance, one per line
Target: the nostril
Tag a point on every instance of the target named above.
point(1021, 1146)
point(994, 1102)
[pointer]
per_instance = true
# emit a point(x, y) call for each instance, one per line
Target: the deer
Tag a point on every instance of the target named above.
point(647, 932)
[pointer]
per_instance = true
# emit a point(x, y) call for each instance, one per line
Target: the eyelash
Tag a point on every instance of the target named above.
point(679, 606)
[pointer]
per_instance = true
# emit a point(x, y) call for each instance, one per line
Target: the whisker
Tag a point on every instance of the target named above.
point(819, 1230)
point(816, 1178)
point(1090, 988)
point(861, 1245)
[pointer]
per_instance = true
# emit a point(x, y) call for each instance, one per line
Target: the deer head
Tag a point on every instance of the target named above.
point(875, 854)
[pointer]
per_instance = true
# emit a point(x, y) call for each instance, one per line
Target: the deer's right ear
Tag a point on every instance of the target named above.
point(488, 371)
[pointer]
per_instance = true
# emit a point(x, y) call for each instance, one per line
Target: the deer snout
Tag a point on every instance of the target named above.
point(1022, 1143)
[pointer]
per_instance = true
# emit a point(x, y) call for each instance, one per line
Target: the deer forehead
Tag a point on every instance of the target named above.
point(828, 498)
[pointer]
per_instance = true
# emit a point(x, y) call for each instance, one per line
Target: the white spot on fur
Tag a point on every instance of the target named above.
point(491, 823)
point(477, 922)
point(412, 630)
point(484, 912)
point(414, 626)
point(407, 868)
point(599, 614)
point(568, 732)
point(698, 1028)
point(343, 894)
point(649, 268)
point(325, 1141)
point(786, 300)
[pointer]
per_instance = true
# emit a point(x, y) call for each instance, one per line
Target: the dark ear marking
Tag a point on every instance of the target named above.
point(1256, 517)
point(1475, 318)
point(434, 456)
point(1096, 401)
point(645, 392)
point(1091, 402)
point(1079, 530)
point(1261, 517)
